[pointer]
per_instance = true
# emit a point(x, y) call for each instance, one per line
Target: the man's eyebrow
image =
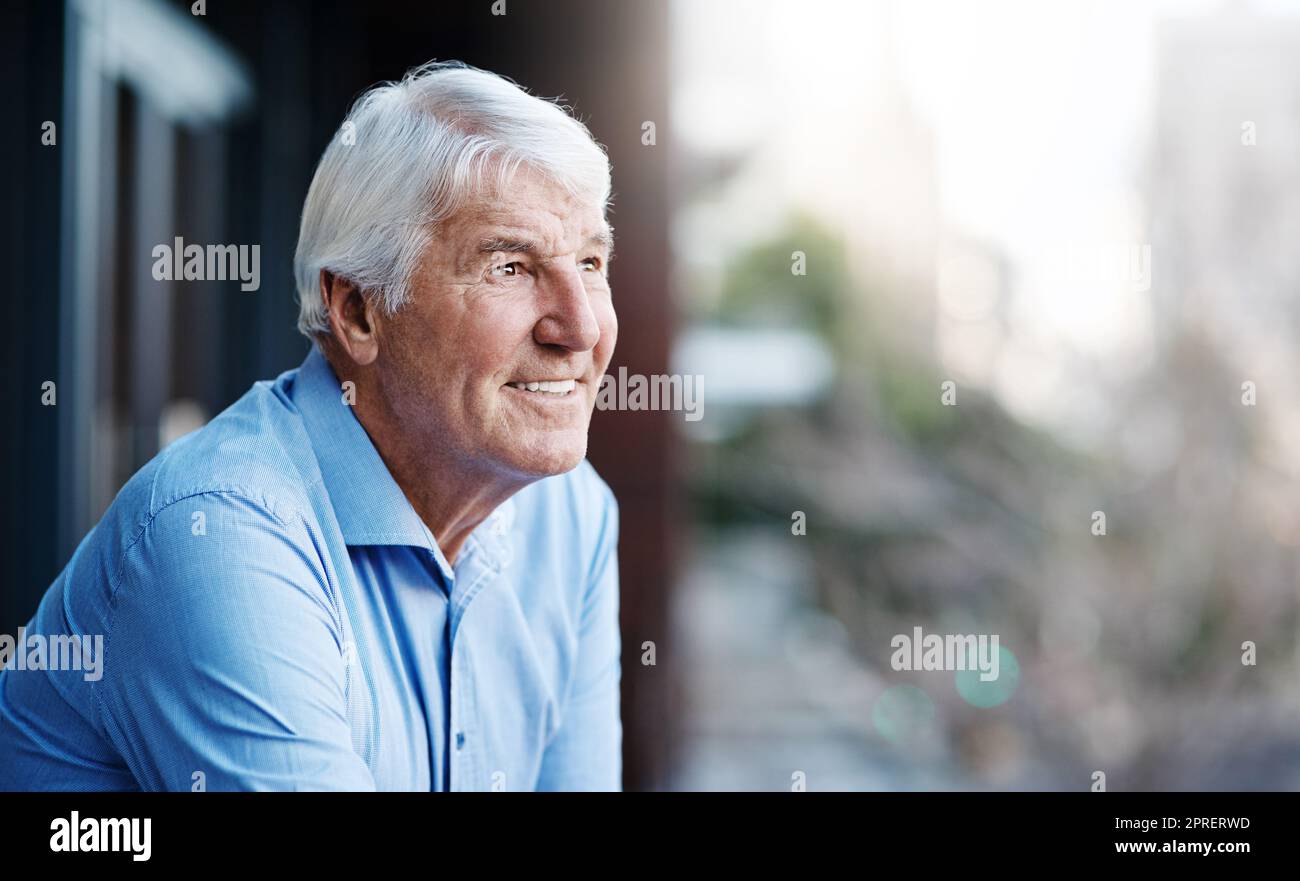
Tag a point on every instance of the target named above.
point(506, 243)
point(604, 239)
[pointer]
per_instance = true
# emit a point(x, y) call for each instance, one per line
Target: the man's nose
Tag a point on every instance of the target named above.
point(567, 318)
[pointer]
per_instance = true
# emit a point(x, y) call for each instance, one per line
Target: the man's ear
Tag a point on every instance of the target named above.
point(352, 318)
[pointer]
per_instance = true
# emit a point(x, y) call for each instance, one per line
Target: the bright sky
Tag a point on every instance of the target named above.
point(1040, 114)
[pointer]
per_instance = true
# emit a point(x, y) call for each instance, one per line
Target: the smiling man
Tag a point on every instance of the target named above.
point(391, 568)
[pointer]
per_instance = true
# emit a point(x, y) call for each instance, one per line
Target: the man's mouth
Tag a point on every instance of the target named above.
point(546, 386)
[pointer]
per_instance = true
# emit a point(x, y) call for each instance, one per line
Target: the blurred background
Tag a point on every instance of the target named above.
point(958, 279)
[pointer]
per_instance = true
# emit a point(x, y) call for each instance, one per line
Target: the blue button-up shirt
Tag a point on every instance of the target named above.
point(275, 615)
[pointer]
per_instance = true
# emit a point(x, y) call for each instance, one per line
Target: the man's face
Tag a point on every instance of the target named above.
point(513, 289)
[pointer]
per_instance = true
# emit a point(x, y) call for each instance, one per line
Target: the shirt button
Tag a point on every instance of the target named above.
point(460, 739)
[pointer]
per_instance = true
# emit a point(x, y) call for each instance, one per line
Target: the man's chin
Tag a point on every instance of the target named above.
point(548, 459)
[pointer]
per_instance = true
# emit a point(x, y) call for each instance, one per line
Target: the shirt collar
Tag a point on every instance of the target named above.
point(370, 507)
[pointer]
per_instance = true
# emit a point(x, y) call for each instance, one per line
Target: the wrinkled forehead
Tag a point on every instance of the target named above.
point(532, 206)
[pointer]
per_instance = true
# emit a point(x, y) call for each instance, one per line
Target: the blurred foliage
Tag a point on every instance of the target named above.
point(964, 517)
point(760, 289)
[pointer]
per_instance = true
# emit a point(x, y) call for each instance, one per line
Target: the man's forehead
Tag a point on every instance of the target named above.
point(547, 227)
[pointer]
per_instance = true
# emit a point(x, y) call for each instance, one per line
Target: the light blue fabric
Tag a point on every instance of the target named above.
point(275, 615)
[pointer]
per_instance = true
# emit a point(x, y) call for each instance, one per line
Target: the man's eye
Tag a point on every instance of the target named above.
point(592, 263)
point(506, 270)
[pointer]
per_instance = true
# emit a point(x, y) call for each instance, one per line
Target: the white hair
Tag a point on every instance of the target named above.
point(407, 157)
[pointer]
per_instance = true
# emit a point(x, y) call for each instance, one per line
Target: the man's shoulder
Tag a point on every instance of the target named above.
point(256, 450)
point(231, 494)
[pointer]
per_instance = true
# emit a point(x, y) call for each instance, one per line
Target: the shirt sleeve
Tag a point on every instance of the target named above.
point(223, 662)
point(586, 754)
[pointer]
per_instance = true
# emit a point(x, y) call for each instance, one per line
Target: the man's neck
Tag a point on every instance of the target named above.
point(451, 499)
point(450, 503)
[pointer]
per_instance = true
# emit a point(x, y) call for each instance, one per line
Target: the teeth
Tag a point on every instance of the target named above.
point(554, 387)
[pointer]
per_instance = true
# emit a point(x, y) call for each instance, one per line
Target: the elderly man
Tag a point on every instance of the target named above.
point(391, 568)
